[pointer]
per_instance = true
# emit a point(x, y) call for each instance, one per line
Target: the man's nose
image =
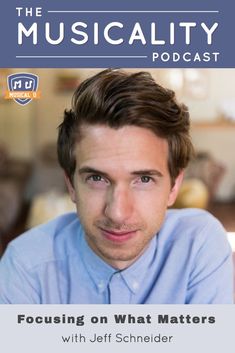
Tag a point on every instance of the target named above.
point(119, 205)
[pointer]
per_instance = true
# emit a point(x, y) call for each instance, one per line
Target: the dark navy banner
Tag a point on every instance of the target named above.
point(154, 33)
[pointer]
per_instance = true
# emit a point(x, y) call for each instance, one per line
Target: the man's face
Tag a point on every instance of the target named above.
point(122, 189)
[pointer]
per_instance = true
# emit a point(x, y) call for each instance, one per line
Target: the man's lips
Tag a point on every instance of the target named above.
point(117, 236)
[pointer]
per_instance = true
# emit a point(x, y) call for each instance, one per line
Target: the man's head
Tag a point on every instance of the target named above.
point(123, 147)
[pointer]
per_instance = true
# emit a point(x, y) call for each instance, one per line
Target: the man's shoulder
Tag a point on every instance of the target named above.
point(190, 215)
point(47, 242)
point(195, 223)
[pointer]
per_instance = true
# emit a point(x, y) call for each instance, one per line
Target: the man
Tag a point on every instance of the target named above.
point(123, 146)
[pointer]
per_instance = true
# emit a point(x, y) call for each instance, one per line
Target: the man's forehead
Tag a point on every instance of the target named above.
point(131, 148)
point(100, 134)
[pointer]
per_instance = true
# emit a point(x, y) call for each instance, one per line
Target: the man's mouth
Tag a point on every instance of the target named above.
point(118, 236)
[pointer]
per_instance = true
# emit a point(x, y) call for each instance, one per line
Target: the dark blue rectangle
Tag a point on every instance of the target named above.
point(120, 34)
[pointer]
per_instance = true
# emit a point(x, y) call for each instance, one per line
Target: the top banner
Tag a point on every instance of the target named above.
point(153, 34)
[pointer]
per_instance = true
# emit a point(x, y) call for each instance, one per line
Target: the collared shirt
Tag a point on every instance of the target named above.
point(188, 261)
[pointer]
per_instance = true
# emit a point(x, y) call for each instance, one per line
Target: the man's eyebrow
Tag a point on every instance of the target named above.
point(85, 170)
point(147, 172)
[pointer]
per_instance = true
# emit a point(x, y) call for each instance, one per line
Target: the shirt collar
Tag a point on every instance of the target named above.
point(135, 274)
point(101, 272)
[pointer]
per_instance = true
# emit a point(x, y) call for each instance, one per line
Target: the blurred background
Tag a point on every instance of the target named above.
point(32, 188)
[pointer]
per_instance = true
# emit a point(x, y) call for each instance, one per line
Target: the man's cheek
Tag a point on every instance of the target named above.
point(89, 209)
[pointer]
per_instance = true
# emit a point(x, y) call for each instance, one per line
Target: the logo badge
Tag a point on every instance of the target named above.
point(23, 87)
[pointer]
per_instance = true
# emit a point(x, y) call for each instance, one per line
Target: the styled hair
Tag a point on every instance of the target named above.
point(115, 98)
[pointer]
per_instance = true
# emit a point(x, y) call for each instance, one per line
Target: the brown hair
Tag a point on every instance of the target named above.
point(116, 99)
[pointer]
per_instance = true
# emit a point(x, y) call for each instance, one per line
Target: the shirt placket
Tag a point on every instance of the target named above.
point(119, 293)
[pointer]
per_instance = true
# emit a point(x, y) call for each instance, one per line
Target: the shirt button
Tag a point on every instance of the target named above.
point(135, 285)
point(101, 285)
point(118, 275)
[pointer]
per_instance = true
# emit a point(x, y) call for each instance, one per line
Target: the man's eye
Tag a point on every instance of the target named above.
point(95, 177)
point(97, 181)
point(145, 179)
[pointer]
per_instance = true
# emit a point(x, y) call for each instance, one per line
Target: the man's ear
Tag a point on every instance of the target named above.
point(70, 188)
point(175, 189)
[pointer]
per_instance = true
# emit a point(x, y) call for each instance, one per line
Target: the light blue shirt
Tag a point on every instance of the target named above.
point(188, 261)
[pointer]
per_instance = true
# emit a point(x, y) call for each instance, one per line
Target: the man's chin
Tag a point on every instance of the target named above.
point(120, 258)
point(119, 249)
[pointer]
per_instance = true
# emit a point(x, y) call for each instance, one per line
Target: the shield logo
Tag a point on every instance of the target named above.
point(25, 85)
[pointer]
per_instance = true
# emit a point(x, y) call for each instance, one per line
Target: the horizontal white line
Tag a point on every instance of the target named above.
point(135, 11)
point(81, 56)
